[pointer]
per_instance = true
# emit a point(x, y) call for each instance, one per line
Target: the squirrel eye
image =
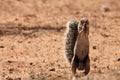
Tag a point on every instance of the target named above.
point(82, 22)
point(76, 26)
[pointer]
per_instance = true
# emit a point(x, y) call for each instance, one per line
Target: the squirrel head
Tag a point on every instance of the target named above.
point(83, 25)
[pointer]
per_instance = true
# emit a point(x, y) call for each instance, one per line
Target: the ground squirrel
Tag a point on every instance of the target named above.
point(81, 59)
point(70, 39)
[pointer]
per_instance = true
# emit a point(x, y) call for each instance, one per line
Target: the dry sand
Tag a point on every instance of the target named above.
point(31, 38)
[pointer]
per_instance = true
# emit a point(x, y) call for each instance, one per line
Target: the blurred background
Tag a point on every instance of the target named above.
point(32, 32)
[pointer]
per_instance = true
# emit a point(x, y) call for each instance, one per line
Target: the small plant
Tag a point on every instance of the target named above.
point(42, 78)
point(32, 75)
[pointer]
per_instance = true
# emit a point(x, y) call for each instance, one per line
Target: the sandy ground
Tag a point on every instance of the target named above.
point(31, 38)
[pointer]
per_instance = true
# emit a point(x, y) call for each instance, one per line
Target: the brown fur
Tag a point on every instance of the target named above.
point(81, 59)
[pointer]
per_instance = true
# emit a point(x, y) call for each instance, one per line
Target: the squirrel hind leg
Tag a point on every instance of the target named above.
point(81, 66)
point(74, 64)
point(87, 65)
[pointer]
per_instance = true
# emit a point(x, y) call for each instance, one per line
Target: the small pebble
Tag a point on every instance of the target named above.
point(18, 79)
point(105, 8)
point(95, 66)
point(1, 46)
point(9, 61)
point(9, 78)
point(31, 63)
point(94, 47)
point(118, 59)
point(53, 69)
point(95, 59)
point(20, 41)
point(11, 70)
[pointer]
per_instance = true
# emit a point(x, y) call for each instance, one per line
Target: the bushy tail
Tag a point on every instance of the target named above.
point(70, 39)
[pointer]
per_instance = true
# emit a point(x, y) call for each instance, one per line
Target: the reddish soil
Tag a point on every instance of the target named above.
point(32, 32)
